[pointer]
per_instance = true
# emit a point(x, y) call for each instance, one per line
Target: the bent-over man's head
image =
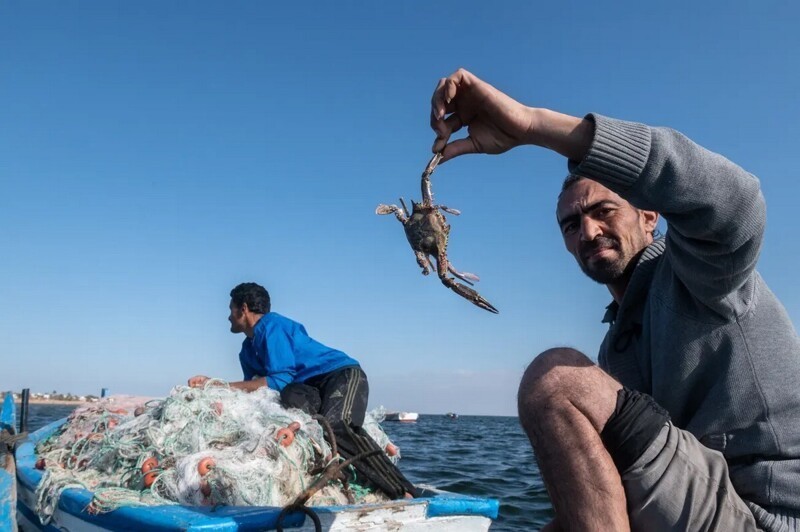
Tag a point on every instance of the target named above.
point(248, 301)
point(604, 232)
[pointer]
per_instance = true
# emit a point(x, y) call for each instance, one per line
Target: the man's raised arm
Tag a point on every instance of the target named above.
point(715, 211)
point(497, 123)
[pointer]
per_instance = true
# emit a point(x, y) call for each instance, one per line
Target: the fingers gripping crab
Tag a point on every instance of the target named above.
point(427, 231)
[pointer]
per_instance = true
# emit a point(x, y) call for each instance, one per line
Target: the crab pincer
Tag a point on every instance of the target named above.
point(472, 295)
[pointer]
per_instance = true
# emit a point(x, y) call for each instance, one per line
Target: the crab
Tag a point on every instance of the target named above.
point(427, 231)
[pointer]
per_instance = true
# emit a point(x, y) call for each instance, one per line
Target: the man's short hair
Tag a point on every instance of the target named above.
point(570, 180)
point(255, 295)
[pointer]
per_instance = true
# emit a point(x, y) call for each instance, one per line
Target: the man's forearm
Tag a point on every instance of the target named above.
point(251, 385)
point(568, 135)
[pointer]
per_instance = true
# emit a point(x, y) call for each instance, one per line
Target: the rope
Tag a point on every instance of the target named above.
point(298, 508)
point(9, 440)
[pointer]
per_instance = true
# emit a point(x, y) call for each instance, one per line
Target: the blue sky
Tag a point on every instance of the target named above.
point(155, 154)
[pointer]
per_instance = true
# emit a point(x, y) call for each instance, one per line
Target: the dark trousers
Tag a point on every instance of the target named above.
point(341, 396)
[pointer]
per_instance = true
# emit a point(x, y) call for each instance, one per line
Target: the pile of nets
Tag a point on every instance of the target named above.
point(212, 446)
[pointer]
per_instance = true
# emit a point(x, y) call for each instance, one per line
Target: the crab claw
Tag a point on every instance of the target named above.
point(468, 293)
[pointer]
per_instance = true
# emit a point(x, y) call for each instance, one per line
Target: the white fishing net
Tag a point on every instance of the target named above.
point(206, 447)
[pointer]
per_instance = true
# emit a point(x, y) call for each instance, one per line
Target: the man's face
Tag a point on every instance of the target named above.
point(236, 318)
point(602, 231)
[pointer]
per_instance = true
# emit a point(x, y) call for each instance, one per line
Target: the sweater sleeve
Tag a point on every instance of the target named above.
point(714, 209)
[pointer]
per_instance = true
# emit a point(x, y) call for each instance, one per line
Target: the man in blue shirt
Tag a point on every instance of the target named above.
point(277, 352)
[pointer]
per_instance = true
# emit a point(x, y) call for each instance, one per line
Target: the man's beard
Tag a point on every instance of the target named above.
point(604, 270)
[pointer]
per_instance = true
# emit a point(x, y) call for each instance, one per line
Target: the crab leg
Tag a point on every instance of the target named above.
point(467, 277)
point(424, 262)
point(392, 209)
point(445, 208)
point(442, 267)
point(405, 209)
point(427, 195)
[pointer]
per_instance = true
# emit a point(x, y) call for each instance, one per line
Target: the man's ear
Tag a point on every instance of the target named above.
point(244, 308)
point(650, 219)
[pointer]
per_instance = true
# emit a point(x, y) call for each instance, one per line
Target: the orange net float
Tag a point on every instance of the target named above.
point(205, 465)
point(149, 478)
point(392, 449)
point(41, 463)
point(149, 464)
point(285, 436)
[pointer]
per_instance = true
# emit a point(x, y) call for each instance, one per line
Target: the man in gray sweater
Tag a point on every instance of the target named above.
point(692, 419)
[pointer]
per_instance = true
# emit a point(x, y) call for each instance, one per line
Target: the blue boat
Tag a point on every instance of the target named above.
point(8, 492)
point(435, 510)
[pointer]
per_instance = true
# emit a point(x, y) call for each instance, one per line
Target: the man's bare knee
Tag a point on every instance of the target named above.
point(559, 356)
point(562, 375)
point(548, 371)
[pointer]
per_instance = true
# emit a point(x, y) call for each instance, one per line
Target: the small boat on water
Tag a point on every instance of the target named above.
point(402, 416)
point(8, 488)
point(451, 415)
point(433, 511)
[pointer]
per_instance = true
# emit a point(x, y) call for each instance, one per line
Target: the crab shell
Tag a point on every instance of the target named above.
point(427, 230)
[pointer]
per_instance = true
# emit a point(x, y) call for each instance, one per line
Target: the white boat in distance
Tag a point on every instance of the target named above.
point(402, 416)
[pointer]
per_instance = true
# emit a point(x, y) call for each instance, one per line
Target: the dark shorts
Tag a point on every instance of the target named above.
point(671, 480)
point(341, 396)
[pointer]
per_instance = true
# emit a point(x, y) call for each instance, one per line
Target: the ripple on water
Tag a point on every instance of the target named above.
point(481, 456)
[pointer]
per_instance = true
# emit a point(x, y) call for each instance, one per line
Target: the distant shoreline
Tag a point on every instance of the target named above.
point(118, 400)
point(38, 401)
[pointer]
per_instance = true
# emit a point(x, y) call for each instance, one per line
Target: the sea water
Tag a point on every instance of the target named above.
point(485, 456)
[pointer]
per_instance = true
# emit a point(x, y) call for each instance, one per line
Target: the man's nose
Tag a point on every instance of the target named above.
point(590, 229)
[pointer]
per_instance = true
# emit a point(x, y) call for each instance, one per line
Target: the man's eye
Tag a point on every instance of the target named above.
point(568, 228)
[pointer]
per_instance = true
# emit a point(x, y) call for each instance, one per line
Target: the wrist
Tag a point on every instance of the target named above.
point(568, 135)
point(536, 118)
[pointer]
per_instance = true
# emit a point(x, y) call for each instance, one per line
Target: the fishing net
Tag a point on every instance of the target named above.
point(208, 447)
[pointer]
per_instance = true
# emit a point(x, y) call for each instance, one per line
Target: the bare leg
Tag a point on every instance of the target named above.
point(564, 403)
point(552, 526)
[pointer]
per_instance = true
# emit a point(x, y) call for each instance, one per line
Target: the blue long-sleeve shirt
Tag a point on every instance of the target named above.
point(282, 351)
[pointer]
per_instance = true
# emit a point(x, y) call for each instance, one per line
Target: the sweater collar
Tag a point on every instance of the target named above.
point(640, 279)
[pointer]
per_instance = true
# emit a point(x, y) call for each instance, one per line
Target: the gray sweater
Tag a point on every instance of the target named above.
point(698, 328)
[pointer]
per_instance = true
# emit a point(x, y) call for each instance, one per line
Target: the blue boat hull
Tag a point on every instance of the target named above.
point(8, 489)
point(436, 511)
